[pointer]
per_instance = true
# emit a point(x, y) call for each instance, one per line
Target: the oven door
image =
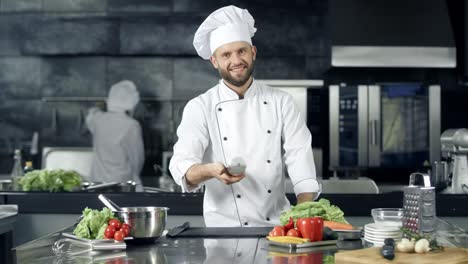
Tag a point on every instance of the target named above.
point(385, 125)
point(404, 125)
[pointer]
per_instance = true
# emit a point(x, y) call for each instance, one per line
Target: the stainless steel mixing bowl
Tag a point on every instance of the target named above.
point(145, 222)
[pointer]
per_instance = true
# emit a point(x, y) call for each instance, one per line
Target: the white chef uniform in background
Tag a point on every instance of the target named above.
point(264, 128)
point(117, 137)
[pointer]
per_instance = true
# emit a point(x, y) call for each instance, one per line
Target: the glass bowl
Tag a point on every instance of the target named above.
point(391, 216)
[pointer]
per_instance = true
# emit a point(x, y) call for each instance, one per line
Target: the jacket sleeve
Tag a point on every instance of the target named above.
point(193, 139)
point(92, 112)
point(297, 146)
point(136, 152)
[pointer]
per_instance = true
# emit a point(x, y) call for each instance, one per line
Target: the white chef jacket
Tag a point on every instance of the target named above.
point(118, 147)
point(267, 130)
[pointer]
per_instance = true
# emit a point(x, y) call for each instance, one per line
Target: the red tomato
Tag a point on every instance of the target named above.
point(126, 229)
point(115, 223)
point(289, 225)
point(293, 232)
point(277, 231)
point(119, 235)
point(109, 232)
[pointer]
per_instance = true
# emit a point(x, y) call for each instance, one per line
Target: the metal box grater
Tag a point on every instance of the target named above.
point(419, 214)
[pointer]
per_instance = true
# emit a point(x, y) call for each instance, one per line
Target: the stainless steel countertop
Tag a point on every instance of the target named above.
point(201, 250)
point(167, 250)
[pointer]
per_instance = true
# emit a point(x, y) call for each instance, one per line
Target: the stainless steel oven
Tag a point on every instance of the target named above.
point(393, 125)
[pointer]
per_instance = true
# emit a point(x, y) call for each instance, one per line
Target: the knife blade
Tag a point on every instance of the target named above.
point(178, 229)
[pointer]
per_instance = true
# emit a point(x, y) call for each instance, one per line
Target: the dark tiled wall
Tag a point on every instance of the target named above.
point(78, 48)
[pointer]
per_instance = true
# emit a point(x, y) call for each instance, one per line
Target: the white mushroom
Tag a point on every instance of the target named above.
point(422, 246)
point(405, 246)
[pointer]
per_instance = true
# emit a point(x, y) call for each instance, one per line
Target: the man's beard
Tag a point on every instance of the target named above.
point(240, 81)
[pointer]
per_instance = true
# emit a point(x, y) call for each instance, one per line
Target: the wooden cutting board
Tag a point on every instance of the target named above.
point(450, 255)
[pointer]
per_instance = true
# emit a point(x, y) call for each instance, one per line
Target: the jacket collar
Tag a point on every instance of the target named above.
point(227, 94)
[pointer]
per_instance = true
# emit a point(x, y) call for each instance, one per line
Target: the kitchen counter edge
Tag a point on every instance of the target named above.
point(192, 203)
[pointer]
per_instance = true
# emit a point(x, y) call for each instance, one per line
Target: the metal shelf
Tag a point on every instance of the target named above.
point(96, 99)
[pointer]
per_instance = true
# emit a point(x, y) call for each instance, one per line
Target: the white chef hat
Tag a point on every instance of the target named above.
point(225, 25)
point(123, 96)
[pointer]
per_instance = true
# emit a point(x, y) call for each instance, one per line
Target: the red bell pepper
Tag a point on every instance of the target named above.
point(280, 260)
point(311, 228)
point(306, 227)
point(311, 258)
point(318, 229)
point(289, 225)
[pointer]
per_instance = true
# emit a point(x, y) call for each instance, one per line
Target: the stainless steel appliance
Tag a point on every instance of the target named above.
point(454, 148)
point(394, 125)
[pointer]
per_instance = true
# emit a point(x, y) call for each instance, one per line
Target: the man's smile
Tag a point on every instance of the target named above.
point(238, 68)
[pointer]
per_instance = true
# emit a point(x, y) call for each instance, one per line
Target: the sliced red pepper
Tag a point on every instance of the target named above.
point(289, 225)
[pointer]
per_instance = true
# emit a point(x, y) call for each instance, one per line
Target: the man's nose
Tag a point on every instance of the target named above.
point(236, 59)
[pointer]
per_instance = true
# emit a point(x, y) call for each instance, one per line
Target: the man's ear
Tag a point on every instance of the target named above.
point(214, 62)
point(254, 52)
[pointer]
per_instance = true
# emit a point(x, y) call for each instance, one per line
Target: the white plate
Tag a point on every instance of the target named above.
point(381, 227)
point(382, 237)
point(375, 244)
point(382, 234)
point(379, 240)
point(390, 223)
point(399, 233)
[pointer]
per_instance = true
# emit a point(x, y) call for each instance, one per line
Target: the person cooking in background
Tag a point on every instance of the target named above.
point(117, 137)
point(240, 123)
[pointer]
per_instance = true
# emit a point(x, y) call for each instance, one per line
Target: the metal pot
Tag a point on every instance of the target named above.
point(128, 186)
point(5, 185)
point(146, 223)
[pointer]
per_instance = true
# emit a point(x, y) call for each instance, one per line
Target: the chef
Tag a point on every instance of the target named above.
point(117, 137)
point(239, 138)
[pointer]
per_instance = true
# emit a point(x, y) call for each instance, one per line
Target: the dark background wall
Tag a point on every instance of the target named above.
point(78, 48)
point(56, 49)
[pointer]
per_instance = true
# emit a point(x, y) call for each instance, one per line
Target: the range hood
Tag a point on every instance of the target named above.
point(391, 33)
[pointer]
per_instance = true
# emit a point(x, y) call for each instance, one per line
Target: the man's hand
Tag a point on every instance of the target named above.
point(305, 197)
point(221, 172)
point(199, 173)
